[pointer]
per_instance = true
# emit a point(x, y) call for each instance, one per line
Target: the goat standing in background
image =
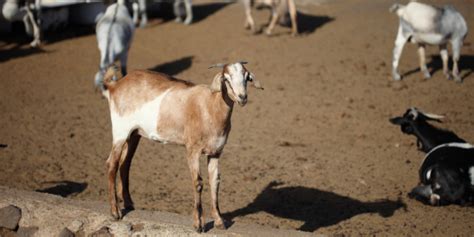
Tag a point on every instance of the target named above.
point(447, 172)
point(424, 24)
point(168, 110)
point(114, 32)
point(280, 11)
point(12, 11)
point(139, 11)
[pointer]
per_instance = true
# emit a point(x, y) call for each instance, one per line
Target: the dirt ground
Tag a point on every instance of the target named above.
point(314, 151)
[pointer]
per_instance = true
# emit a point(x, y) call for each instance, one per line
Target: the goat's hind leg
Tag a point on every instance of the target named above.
point(443, 51)
point(214, 179)
point(423, 68)
point(456, 45)
point(125, 162)
point(397, 51)
point(249, 22)
point(112, 167)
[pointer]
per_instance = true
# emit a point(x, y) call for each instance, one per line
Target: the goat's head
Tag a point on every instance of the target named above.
point(412, 118)
point(234, 77)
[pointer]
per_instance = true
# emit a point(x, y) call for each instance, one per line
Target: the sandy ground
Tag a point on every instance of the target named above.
point(314, 151)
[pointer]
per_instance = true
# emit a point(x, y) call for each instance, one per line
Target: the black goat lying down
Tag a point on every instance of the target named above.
point(447, 172)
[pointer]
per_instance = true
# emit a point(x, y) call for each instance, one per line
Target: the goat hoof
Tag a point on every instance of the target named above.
point(220, 225)
point(116, 216)
point(199, 229)
point(178, 19)
point(188, 21)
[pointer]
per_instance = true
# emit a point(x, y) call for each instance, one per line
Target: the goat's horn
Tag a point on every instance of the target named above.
point(243, 62)
point(219, 65)
point(432, 116)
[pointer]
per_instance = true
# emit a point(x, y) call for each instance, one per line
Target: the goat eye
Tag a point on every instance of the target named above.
point(248, 77)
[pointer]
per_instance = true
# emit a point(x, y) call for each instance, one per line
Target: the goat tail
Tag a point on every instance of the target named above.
point(111, 77)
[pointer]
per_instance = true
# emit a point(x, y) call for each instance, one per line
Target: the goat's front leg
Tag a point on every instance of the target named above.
point(443, 51)
point(193, 163)
point(397, 51)
point(125, 161)
point(423, 68)
point(112, 166)
point(456, 46)
point(293, 15)
point(36, 30)
point(177, 10)
point(275, 16)
point(214, 179)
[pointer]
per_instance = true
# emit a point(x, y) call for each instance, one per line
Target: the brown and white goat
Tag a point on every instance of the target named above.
point(168, 110)
point(280, 11)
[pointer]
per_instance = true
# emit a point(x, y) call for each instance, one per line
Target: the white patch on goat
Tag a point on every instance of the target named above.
point(471, 174)
point(428, 174)
point(429, 38)
point(146, 118)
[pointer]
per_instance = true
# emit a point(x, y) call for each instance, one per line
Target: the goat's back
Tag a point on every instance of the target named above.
point(141, 86)
point(460, 155)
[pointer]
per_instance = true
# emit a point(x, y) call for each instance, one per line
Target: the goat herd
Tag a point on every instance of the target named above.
point(169, 110)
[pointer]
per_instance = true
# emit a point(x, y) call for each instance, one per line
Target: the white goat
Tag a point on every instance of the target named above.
point(424, 24)
point(12, 11)
point(181, 8)
point(114, 32)
point(168, 110)
point(280, 11)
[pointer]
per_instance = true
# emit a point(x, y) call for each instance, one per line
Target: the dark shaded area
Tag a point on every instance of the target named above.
point(202, 11)
point(64, 188)
point(174, 67)
point(316, 208)
point(3, 145)
point(69, 32)
point(18, 51)
point(164, 10)
point(308, 23)
point(466, 66)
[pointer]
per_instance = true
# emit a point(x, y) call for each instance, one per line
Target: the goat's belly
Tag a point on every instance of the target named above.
point(215, 146)
point(429, 38)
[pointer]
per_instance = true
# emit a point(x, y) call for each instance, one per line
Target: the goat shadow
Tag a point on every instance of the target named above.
point(316, 208)
point(308, 24)
point(173, 68)
point(64, 188)
point(200, 11)
point(466, 66)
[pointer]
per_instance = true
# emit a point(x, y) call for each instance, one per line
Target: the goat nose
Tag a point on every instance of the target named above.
point(243, 97)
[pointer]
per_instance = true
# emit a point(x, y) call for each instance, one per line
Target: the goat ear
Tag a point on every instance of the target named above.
point(396, 120)
point(255, 83)
point(217, 82)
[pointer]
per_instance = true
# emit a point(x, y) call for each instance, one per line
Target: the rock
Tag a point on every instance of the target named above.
point(26, 231)
point(66, 233)
point(75, 226)
point(103, 232)
point(10, 217)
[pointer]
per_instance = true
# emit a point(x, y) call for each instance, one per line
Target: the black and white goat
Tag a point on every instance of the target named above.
point(447, 172)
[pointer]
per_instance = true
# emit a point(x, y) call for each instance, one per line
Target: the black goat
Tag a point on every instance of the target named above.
point(447, 172)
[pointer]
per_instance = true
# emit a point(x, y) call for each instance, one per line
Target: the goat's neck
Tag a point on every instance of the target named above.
point(426, 135)
point(221, 107)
